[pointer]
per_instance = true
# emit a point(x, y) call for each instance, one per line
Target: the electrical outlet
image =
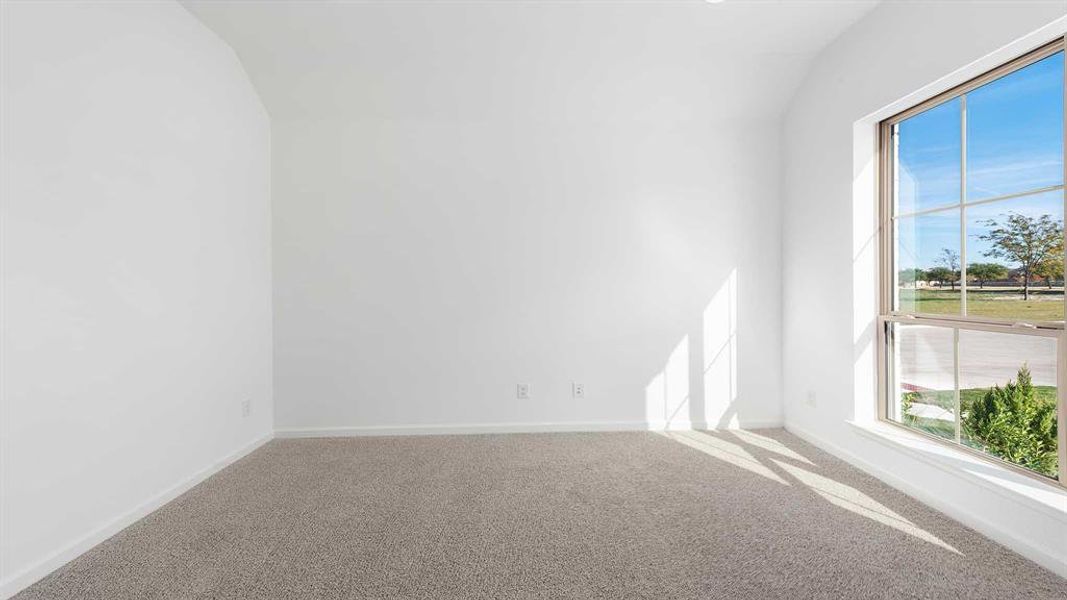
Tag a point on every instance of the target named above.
point(578, 390)
point(810, 400)
point(522, 391)
point(246, 408)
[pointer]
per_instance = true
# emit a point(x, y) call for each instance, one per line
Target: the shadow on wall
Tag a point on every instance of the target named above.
point(698, 387)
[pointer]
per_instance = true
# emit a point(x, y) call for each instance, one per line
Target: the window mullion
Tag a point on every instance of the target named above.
point(956, 364)
point(895, 299)
point(1061, 347)
point(1061, 409)
point(963, 224)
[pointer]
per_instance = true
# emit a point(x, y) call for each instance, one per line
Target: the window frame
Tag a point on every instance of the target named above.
point(887, 269)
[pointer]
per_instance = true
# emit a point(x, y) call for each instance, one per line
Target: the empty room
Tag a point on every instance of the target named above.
point(499, 299)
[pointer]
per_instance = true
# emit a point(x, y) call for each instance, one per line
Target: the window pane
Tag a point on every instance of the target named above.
point(927, 260)
point(1001, 413)
point(928, 159)
point(1015, 131)
point(925, 389)
point(1005, 237)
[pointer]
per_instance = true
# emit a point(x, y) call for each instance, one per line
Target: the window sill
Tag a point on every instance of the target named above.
point(1047, 498)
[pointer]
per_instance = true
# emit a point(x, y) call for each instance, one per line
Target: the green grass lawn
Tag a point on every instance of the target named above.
point(1004, 303)
point(942, 429)
point(946, 399)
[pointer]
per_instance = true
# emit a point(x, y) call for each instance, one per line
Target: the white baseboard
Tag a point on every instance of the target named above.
point(27, 577)
point(1008, 539)
point(488, 428)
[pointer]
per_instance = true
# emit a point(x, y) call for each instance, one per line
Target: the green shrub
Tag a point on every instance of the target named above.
point(906, 401)
point(1013, 423)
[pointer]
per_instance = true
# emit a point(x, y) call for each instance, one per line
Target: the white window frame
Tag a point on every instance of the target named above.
point(888, 272)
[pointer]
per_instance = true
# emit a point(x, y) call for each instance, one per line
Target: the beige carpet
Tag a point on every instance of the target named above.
point(612, 515)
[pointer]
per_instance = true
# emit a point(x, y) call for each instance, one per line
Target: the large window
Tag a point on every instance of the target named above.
point(972, 194)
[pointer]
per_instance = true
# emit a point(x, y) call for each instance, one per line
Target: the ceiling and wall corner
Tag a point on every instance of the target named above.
point(578, 59)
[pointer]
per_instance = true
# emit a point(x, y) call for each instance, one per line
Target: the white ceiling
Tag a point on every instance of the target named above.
point(477, 59)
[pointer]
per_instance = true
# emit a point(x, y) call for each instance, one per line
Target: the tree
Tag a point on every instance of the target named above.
point(951, 261)
point(1051, 269)
point(983, 272)
point(911, 275)
point(1028, 241)
point(1010, 422)
point(941, 275)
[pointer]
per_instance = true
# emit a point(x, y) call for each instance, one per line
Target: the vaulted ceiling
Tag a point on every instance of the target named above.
point(527, 59)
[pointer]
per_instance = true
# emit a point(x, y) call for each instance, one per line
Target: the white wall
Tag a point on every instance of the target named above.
point(136, 269)
point(425, 266)
point(829, 326)
point(470, 197)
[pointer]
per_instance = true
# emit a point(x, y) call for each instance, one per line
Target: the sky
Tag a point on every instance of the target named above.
point(1014, 144)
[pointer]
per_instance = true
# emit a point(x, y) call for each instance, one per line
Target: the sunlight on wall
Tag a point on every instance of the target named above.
point(857, 502)
point(676, 378)
point(656, 401)
point(724, 451)
point(698, 386)
point(667, 395)
point(720, 356)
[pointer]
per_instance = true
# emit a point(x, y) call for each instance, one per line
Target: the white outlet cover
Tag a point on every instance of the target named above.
point(578, 390)
point(522, 391)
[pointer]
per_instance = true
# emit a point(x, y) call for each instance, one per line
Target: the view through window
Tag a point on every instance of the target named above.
point(973, 260)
